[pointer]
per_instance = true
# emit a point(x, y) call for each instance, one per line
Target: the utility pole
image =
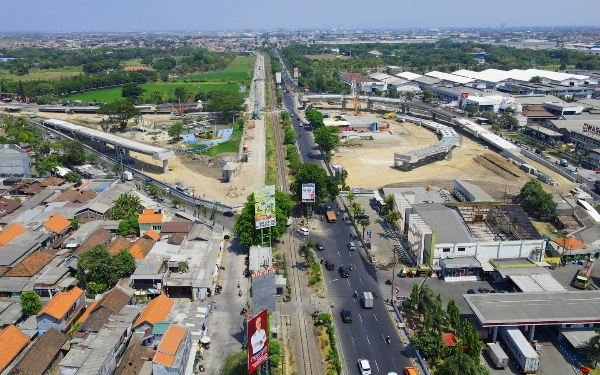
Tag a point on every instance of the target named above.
point(194, 201)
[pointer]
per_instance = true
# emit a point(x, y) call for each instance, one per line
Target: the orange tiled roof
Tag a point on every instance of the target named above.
point(150, 217)
point(152, 234)
point(10, 233)
point(157, 310)
point(118, 244)
point(13, 341)
point(141, 248)
point(31, 265)
point(57, 224)
point(62, 303)
point(570, 243)
point(169, 344)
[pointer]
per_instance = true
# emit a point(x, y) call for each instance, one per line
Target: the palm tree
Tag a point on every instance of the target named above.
point(305, 246)
point(389, 202)
point(356, 209)
point(364, 223)
point(351, 197)
point(392, 217)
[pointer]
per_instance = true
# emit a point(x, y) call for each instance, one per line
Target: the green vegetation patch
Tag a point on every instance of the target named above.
point(45, 74)
point(108, 95)
point(232, 145)
point(239, 70)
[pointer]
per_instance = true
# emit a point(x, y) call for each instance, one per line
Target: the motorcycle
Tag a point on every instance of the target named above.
point(388, 340)
point(244, 311)
point(240, 293)
point(388, 282)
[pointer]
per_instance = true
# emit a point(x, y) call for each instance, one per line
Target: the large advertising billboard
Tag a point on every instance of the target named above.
point(258, 341)
point(296, 73)
point(278, 77)
point(308, 193)
point(264, 206)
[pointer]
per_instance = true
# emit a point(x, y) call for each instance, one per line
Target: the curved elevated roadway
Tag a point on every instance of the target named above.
point(119, 143)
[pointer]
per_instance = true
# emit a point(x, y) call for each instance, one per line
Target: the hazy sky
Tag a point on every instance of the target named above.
point(186, 15)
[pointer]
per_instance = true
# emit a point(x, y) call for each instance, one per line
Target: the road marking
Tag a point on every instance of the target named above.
point(369, 341)
point(339, 256)
point(360, 280)
point(395, 367)
point(376, 365)
point(353, 343)
point(360, 317)
point(375, 316)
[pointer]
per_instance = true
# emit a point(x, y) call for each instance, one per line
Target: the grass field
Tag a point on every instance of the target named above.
point(232, 145)
point(51, 74)
point(239, 70)
point(326, 57)
point(132, 62)
point(108, 95)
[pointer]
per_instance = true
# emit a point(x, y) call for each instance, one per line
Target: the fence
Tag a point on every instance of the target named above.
point(407, 332)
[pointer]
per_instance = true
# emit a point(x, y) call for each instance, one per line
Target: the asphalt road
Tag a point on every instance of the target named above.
point(364, 337)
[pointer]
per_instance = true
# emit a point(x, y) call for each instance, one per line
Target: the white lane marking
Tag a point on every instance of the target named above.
point(376, 365)
point(369, 341)
point(375, 316)
point(353, 343)
point(360, 317)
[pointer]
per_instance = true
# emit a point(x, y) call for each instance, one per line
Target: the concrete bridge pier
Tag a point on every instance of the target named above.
point(369, 105)
point(344, 102)
point(165, 166)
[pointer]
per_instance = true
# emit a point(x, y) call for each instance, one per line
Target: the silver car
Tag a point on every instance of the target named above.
point(351, 246)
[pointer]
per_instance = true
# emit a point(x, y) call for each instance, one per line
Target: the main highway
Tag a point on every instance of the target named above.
point(365, 336)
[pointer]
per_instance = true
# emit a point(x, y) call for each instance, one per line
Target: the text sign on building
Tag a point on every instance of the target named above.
point(308, 193)
point(264, 207)
point(591, 130)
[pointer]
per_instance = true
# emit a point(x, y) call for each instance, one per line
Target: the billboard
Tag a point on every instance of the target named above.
point(264, 206)
point(308, 193)
point(278, 77)
point(296, 73)
point(258, 341)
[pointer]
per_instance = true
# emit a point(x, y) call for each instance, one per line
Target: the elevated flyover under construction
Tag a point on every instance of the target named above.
point(118, 142)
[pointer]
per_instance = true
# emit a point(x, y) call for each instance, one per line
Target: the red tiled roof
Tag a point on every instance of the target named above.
point(100, 237)
point(141, 248)
point(13, 341)
point(157, 310)
point(152, 234)
point(30, 265)
point(57, 224)
point(41, 354)
point(357, 78)
point(570, 243)
point(62, 303)
point(10, 233)
point(8, 205)
point(449, 339)
point(118, 244)
point(537, 111)
point(150, 217)
point(167, 349)
point(52, 181)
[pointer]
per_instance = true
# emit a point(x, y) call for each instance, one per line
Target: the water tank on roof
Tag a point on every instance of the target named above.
point(518, 108)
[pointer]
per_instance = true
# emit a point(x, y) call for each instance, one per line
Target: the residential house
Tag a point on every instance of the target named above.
point(23, 245)
point(156, 333)
point(118, 244)
point(134, 358)
point(362, 83)
point(142, 246)
point(31, 265)
point(157, 310)
point(57, 226)
point(8, 205)
point(176, 226)
point(92, 212)
point(10, 233)
point(13, 342)
point(43, 356)
point(172, 352)
point(61, 311)
point(151, 219)
point(52, 181)
point(10, 313)
point(100, 237)
point(97, 315)
point(77, 196)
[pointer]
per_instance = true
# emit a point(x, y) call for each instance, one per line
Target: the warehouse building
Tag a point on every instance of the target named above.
point(14, 162)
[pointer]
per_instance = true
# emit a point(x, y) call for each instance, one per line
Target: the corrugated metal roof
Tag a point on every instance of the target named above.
point(445, 222)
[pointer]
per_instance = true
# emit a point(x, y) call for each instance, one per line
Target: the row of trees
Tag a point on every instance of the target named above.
point(462, 359)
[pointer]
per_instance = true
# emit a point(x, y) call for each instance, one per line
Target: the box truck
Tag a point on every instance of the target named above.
point(127, 175)
point(367, 300)
point(499, 358)
point(521, 349)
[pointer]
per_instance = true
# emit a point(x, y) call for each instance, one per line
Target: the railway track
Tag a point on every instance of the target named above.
point(305, 365)
point(282, 180)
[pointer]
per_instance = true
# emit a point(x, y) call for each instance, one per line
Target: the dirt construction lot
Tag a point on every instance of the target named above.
point(370, 164)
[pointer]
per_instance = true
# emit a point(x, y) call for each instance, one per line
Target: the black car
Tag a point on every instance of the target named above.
point(343, 271)
point(329, 266)
point(346, 316)
point(484, 290)
point(320, 246)
point(362, 217)
point(473, 291)
point(228, 213)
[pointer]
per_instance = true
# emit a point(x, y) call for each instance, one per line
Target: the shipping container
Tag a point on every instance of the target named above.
point(498, 356)
point(521, 349)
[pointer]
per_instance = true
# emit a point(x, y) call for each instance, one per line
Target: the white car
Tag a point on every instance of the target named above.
point(364, 367)
point(303, 231)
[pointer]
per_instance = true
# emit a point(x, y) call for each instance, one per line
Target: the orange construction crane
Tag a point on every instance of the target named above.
point(354, 93)
point(184, 107)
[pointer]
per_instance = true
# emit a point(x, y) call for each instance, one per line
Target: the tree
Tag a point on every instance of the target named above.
point(535, 201)
point(327, 138)
point(314, 117)
point(285, 116)
point(73, 177)
point(73, 152)
point(325, 188)
point(472, 109)
point(30, 303)
point(123, 264)
point(125, 207)
point(409, 95)
point(129, 227)
point(389, 202)
point(228, 103)
point(470, 338)
point(155, 97)
point(244, 227)
point(453, 314)
point(75, 223)
point(175, 130)
point(427, 96)
point(122, 110)
point(460, 364)
point(95, 265)
point(536, 79)
point(355, 209)
point(364, 223)
point(131, 91)
point(290, 136)
point(392, 217)
point(591, 349)
point(430, 344)
point(177, 202)
point(181, 94)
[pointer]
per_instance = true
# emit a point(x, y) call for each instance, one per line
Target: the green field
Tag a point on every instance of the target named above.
point(232, 145)
point(46, 74)
point(132, 62)
point(239, 70)
point(108, 95)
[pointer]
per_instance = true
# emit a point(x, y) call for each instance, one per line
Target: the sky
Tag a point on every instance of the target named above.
point(205, 15)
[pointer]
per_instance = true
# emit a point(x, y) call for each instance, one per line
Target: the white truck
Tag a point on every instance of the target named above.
point(367, 300)
point(127, 175)
point(497, 355)
point(526, 357)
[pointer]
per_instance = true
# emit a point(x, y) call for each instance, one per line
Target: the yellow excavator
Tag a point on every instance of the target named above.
point(389, 115)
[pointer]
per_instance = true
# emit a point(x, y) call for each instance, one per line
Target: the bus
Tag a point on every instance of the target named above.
point(584, 277)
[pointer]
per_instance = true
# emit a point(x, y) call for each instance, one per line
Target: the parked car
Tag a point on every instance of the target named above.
point(343, 271)
point(364, 366)
point(362, 217)
point(483, 290)
point(303, 231)
point(228, 213)
point(329, 266)
point(473, 291)
point(351, 246)
point(320, 246)
point(346, 315)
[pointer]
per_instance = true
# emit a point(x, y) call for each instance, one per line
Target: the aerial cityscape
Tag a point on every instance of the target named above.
point(416, 192)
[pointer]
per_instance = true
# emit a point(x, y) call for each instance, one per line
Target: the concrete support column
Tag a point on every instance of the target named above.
point(494, 333)
point(344, 102)
point(531, 332)
point(127, 155)
point(117, 151)
point(369, 105)
point(433, 116)
point(403, 108)
point(165, 166)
